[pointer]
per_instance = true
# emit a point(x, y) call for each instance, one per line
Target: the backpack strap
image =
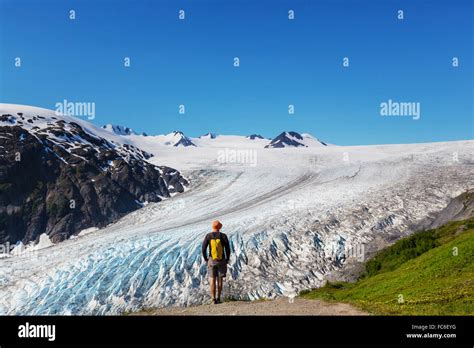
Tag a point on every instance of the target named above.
point(211, 236)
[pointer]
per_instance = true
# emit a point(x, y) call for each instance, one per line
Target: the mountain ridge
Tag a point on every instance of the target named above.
point(58, 177)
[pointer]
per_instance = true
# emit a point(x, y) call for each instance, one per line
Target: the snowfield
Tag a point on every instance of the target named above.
point(294, 216)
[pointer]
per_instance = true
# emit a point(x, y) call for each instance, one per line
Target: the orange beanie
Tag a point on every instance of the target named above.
point(216, 225)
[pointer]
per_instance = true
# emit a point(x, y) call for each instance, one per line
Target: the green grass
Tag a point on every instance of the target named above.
point(421, 270)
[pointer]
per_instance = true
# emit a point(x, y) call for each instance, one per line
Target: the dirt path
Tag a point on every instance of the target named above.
point(280, 306)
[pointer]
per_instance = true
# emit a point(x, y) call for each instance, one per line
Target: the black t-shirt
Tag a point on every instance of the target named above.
point(215, 235)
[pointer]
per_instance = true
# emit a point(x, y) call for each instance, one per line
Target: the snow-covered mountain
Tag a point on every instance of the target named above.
point(176, 139)
point(120, 130)
point(59, 175)
point(208, 135)
point(255, 136)
point(295, 217)
point(294, 139)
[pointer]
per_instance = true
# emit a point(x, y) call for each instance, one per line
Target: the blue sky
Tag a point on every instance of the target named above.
point(283, 62)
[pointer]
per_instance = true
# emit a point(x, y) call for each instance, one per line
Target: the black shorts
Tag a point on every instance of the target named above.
point(216, 268)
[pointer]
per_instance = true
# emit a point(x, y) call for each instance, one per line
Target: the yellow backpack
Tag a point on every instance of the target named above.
point(216, 248)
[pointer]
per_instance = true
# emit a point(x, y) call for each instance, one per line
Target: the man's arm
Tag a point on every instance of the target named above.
point(227, 248)
point(205, 244)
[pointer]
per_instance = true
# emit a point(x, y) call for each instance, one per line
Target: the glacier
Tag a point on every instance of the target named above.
point(292, 220)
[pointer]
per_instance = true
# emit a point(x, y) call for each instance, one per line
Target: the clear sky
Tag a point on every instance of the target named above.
point(282, 62)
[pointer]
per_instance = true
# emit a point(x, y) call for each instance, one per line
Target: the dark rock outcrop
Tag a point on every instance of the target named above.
point(255, 136)
point(177, 138)
point(459, 208)
point(208, 136)
point(59, 178)
point(286, 139)
point(121, 130)
point(294, 139)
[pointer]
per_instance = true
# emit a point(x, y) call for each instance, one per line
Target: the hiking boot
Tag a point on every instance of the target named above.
point(216, 301)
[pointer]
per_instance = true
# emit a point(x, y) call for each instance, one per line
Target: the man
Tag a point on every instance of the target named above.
point(219, 253)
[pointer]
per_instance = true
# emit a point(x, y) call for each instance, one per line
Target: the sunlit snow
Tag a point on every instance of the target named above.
point(291, 219)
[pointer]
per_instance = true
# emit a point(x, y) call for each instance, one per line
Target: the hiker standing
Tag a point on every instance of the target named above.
point(219, 253)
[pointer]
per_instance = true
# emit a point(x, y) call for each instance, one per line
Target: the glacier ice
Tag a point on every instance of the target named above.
point(290, 224)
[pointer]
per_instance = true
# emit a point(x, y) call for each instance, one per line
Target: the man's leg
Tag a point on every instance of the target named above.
point(213, 287)
point(220, 280)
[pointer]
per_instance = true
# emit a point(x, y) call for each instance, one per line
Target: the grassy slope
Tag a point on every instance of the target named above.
point(422, 269)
